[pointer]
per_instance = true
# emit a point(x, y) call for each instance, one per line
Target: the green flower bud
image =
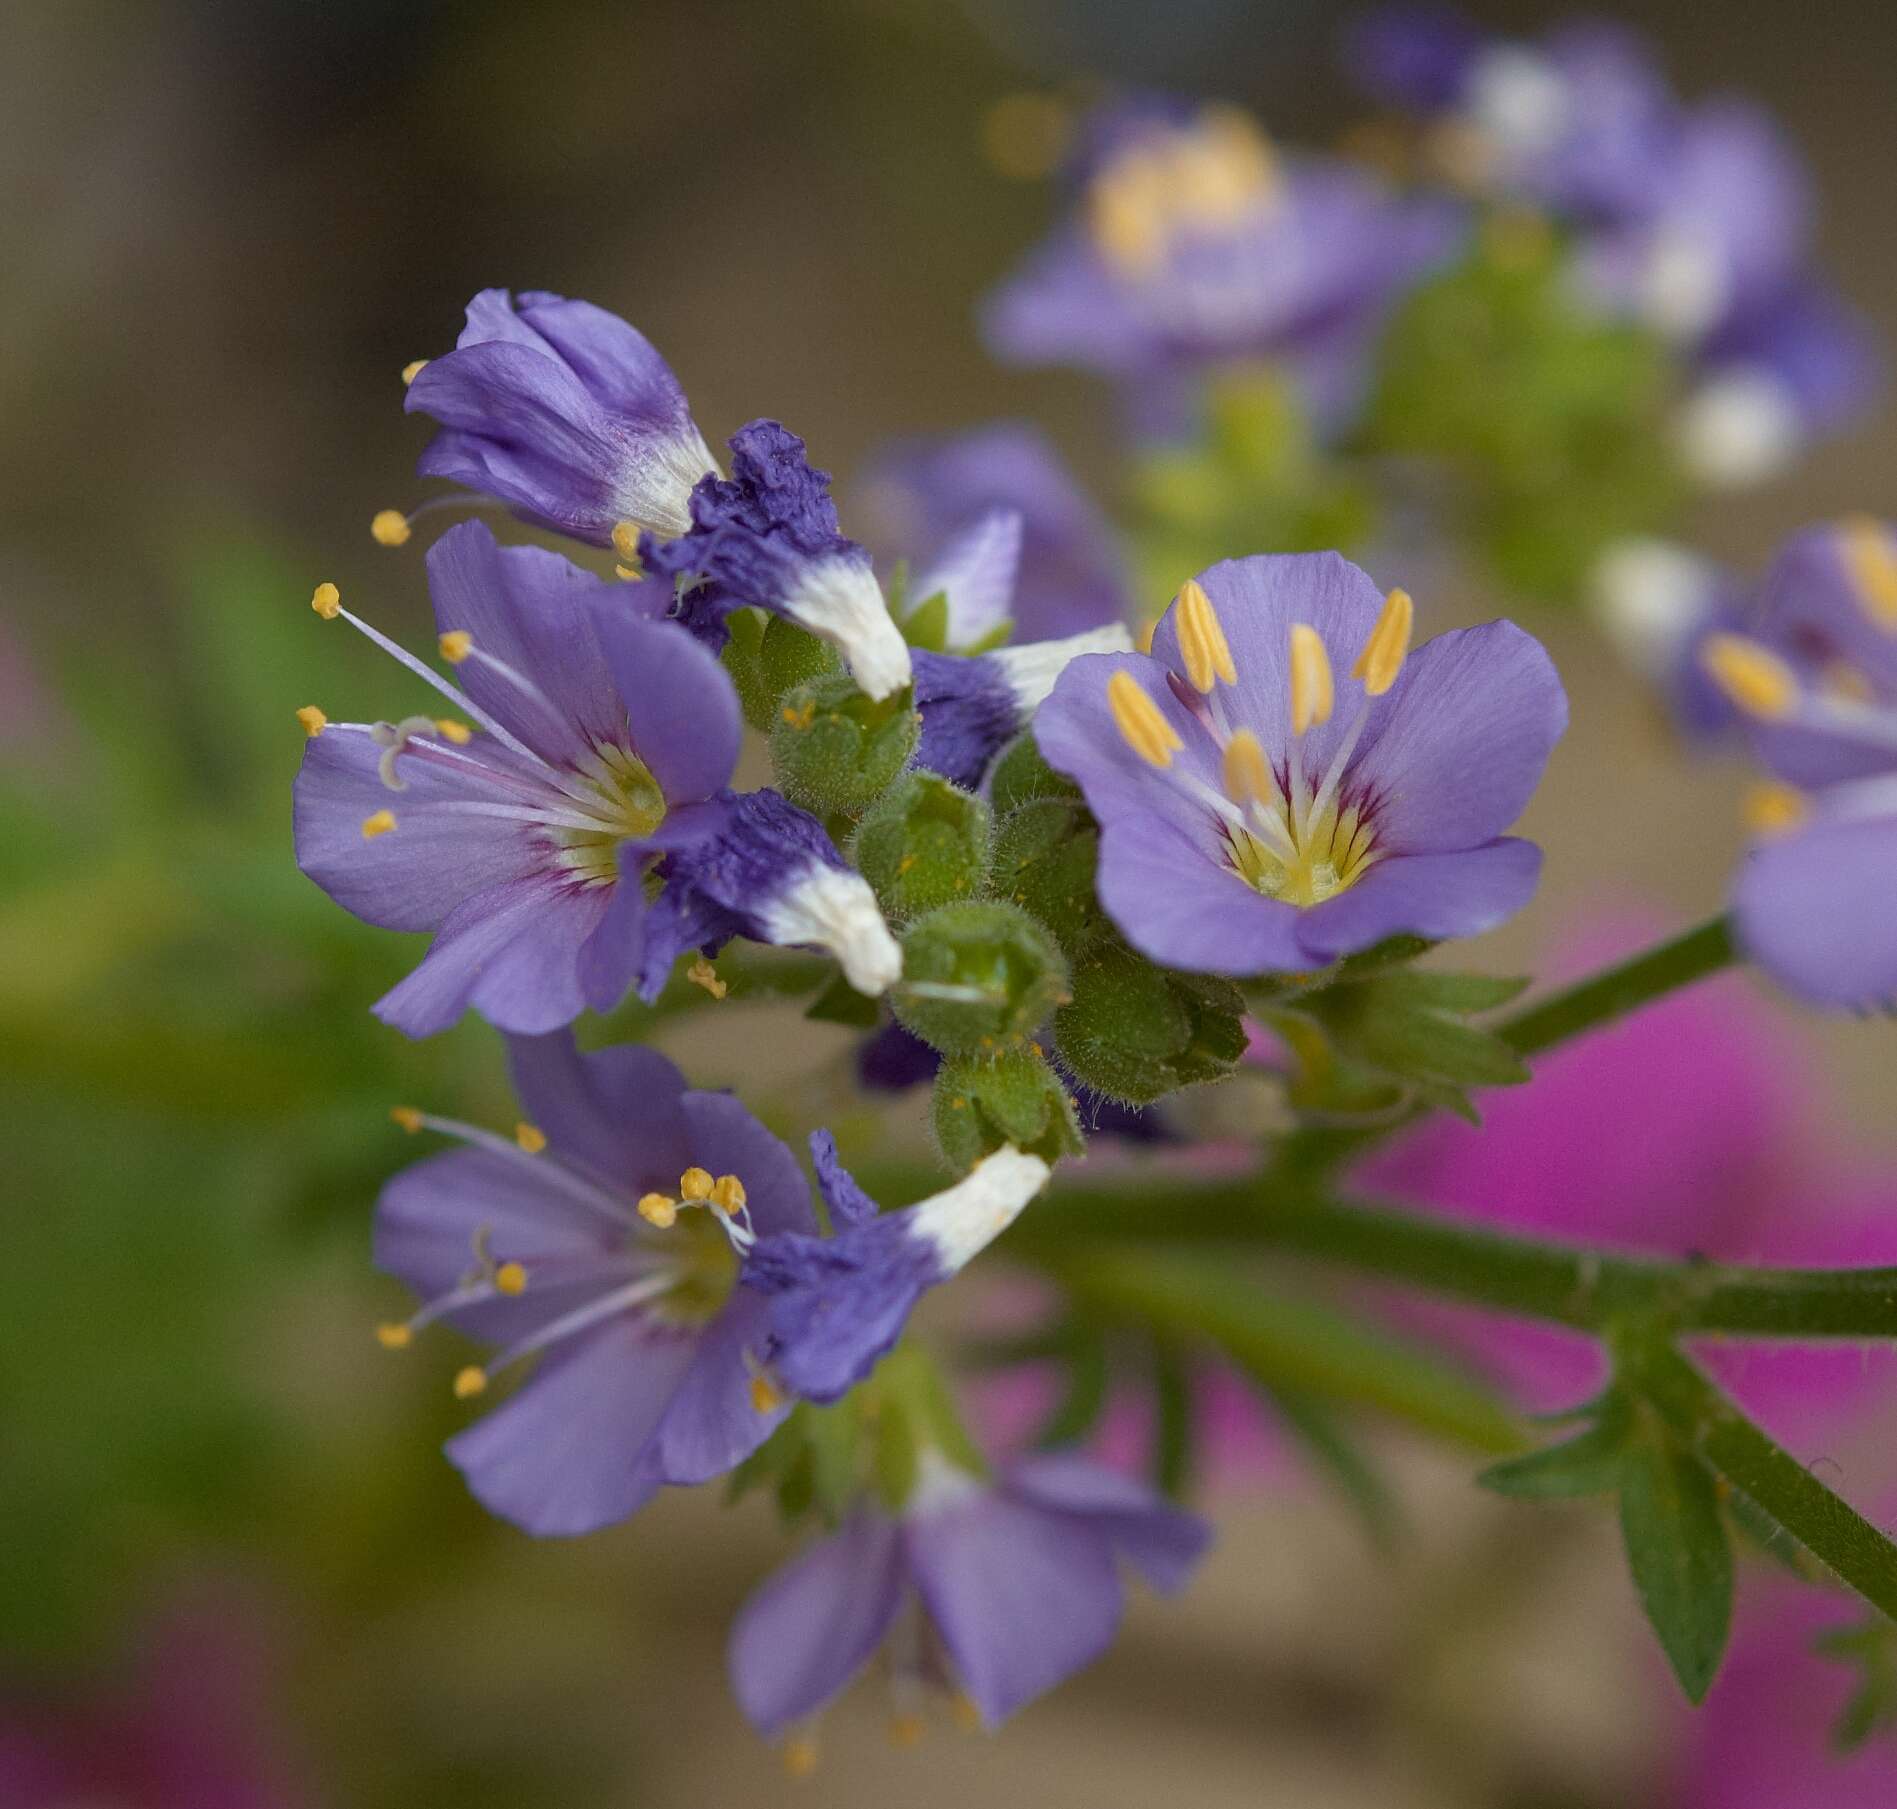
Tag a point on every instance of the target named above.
point(982, 1102)
point(923, 843)
point(833, 749)
point(1020, 775)
point(1136, 1032)
point(977, 977)
point(1045, 855)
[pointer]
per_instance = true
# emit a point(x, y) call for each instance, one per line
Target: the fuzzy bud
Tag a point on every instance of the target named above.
point(982, 1102)
point(1045, 855)
point(1135, 1032)
point(1020, 775)
point(834, 749)
point(977, 977)
point(924, 843)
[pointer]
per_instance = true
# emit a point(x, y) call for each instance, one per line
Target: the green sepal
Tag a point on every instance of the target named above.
point(1590, 1463)
point(927, 625)
point(981, 1102)
point(923, 843)
point(835, 750)
point(1135, 1032)
point(1046, 853)
point(1020, 776)
point(977, 977)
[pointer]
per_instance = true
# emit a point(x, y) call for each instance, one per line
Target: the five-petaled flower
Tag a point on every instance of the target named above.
point(1261, 812)
point(989, 1592)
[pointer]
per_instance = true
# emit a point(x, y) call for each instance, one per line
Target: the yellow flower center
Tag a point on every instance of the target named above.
point(620, 793)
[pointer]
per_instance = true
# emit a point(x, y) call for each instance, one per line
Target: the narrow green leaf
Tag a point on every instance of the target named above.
point(1679, 1553)
point(1439, 1048)
point(1428, 990)
point(1591, 1463)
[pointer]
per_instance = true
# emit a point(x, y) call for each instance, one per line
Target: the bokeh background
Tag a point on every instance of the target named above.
point(227, 227)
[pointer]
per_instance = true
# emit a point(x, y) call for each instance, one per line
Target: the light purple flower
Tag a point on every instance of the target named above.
point(838, 1304)
point(606, 1240)
point(566, 414)
point(599, 739)
point(943, 504)
point(993, 1593)
point(1280, 782)
point(1812, 900)
point(1191, 244)
point(1658, 602)
point(767, 537)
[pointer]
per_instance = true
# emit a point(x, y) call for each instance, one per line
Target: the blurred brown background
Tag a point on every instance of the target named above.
point(227, 228)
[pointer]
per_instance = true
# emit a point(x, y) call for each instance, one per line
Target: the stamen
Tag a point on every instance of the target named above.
point(313, 720)
point(327, 601)
point(617, 1300)
point(1312, 689)
point(702, 973)
point(1202, 642)
point(1754, 677)
point(1770, 808)
point(1248, 775)
point(469, 1382)
point(765, 1397)
point(390, 528)
point(380, 822)
point(510, 1278)
point(658, 1210)
point(554, 1174)
point(413, 370)
point(530, 1137)
point(1144, 729)
point(1388, 646)
point(408, 1117)
point(626, 542)
point(695, 1185)
point(458, 733)
point(456, 645)
point(393, 1336)
point(1869, 550)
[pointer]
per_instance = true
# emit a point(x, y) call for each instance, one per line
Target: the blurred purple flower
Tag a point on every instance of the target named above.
point(994, 1593)
point(1658, 602)
point(1244, 829)
point(566, 414)
point(606, 1239)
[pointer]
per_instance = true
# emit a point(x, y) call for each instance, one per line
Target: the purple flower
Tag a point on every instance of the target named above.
point(767, 537)
point(564, 413)
point(1812, 900)
point(768, 871)
point(971, 706)
point(991, 1593)
point(1658, 603)
point(606, 1239)
point(601, 737)
point(936, 502)
point(1259, 813)
point(838, 1304)
point(1192, 245)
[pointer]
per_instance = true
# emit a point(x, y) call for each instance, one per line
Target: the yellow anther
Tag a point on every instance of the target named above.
point(379, 824)
point(627, 573)
point(906, 1730)
point(510, 1278)
point(1770, 808)
point(390, 528)
point(727, 1194)
point(470, 1382)
point(702, 973)
point(1247, 772)
point(626, 541)
point(1754, 677)
point(530, 1137)
point(1202, 642)
point(407, 1117)
point(313, 720)
point(393, 1337)
point(1388, 646)
point(800, 1756)
point(658, 1209)
point(1312, 689)
point(764, 1395)
point(412, 370)
point(327, 601)
point(458, 733)
point(1869, 550)
point(695, 1185)
point(964, 1713)
point(1139, 721)
point(456, 645)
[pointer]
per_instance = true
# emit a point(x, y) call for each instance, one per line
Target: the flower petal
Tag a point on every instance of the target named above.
point(1814, 910)
point(681, 704)
point(975, 569)
point(712, 1423)
point(617, 1112)
point(807, 1632)
point(1163, 1543)
point(726, 1139)
point(1435, 895)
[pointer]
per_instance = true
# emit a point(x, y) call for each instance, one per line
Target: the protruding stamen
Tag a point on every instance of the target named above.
point(627, 574)
point(1770, 808)
point(1388, 646)
point(658, 1210)
point(379, 822)
point(469, 1382)
point(1869, 550)
point(702, 973)
point(727, 1194)
point(1313, 691)
point(765, 1397)
point(800, 1755)
point(1248, 775)
point(510, 1278)
point(313, 720)
point(327, 601)
point(412, 370)
point(1754, 677)
point(626, 541)
point(456, 734)
point(408, 1117)
point(1140, 722)
point(1202, 642)
point(695, 1185)
point(390, 528)
point(456, 645)
point(530, 1137)
point(393, 1336)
